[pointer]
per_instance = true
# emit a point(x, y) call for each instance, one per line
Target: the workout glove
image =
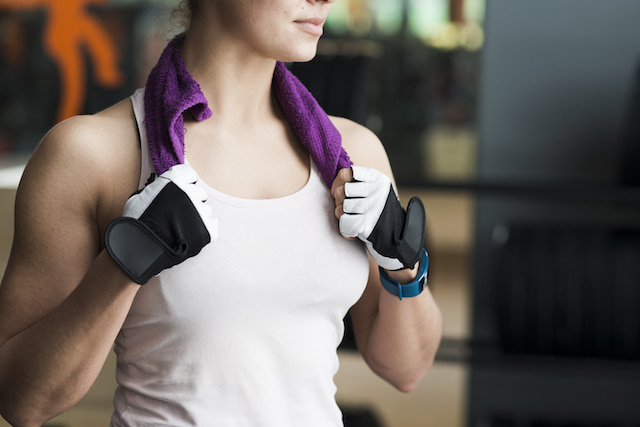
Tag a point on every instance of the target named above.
point(372, 213)
point(162, 225)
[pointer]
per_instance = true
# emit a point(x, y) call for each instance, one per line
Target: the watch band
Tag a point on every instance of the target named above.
point(411, 289)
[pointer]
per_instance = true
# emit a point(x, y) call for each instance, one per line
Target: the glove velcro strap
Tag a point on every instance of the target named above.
point(412, 236)
point(398, 234)
point(139, 252)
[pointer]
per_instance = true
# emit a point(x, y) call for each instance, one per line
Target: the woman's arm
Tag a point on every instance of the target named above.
point(397, 338)
point(62, 298)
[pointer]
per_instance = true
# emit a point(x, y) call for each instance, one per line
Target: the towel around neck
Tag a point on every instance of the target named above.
point(171, 91)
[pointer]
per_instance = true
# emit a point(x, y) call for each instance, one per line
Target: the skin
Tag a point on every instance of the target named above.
point(63, 300)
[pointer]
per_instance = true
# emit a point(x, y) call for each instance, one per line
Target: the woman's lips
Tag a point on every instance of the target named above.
point(312, 26)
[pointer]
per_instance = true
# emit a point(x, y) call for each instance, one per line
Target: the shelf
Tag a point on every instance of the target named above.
point(468, 353)
point(576, 193)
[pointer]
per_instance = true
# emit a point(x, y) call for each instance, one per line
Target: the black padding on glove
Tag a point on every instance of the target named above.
point(169, 231)
point(399, 234)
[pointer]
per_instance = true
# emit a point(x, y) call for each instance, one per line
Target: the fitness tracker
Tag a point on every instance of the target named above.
point(411, 289)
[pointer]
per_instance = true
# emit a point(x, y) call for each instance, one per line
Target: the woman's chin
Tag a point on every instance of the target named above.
point(303, 54)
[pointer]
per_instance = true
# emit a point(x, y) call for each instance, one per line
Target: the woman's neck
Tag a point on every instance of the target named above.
point(237, 85)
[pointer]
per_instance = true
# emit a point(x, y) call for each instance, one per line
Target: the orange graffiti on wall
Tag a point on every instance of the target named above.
point(69, 27)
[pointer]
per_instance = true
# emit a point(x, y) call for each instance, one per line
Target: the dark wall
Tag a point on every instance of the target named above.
point(555, 84)
point(557, 235)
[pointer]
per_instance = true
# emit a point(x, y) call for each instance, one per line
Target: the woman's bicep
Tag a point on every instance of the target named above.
point(55, 235)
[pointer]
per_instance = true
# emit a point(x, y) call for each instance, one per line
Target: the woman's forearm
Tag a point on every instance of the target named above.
point(49, 367)
point(404, 338)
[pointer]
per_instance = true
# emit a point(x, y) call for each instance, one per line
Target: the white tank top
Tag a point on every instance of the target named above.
point(245, 333)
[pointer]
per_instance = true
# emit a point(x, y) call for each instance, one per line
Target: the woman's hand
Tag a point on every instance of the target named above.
point(368, 208)
point(162, 225)
point(338, 193)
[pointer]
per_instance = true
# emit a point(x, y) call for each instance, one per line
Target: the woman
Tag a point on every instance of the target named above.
point(245, 332)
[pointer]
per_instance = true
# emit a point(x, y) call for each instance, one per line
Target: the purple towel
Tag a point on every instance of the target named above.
point(171, 90)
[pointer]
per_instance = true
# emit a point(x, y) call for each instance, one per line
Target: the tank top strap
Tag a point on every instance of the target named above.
point(146, 168)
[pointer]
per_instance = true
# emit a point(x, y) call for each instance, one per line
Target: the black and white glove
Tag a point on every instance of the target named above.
point(372, 213)
point(161, 225)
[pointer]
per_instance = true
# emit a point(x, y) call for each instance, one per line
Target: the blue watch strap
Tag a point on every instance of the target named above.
point(411, 289)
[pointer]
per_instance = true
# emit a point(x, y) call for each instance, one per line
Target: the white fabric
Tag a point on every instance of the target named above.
point(245, 333)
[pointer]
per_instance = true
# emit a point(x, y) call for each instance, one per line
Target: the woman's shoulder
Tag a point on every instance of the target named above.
point(105, 141)
point(363, 146)
point(86, 160)
point(103, 136)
